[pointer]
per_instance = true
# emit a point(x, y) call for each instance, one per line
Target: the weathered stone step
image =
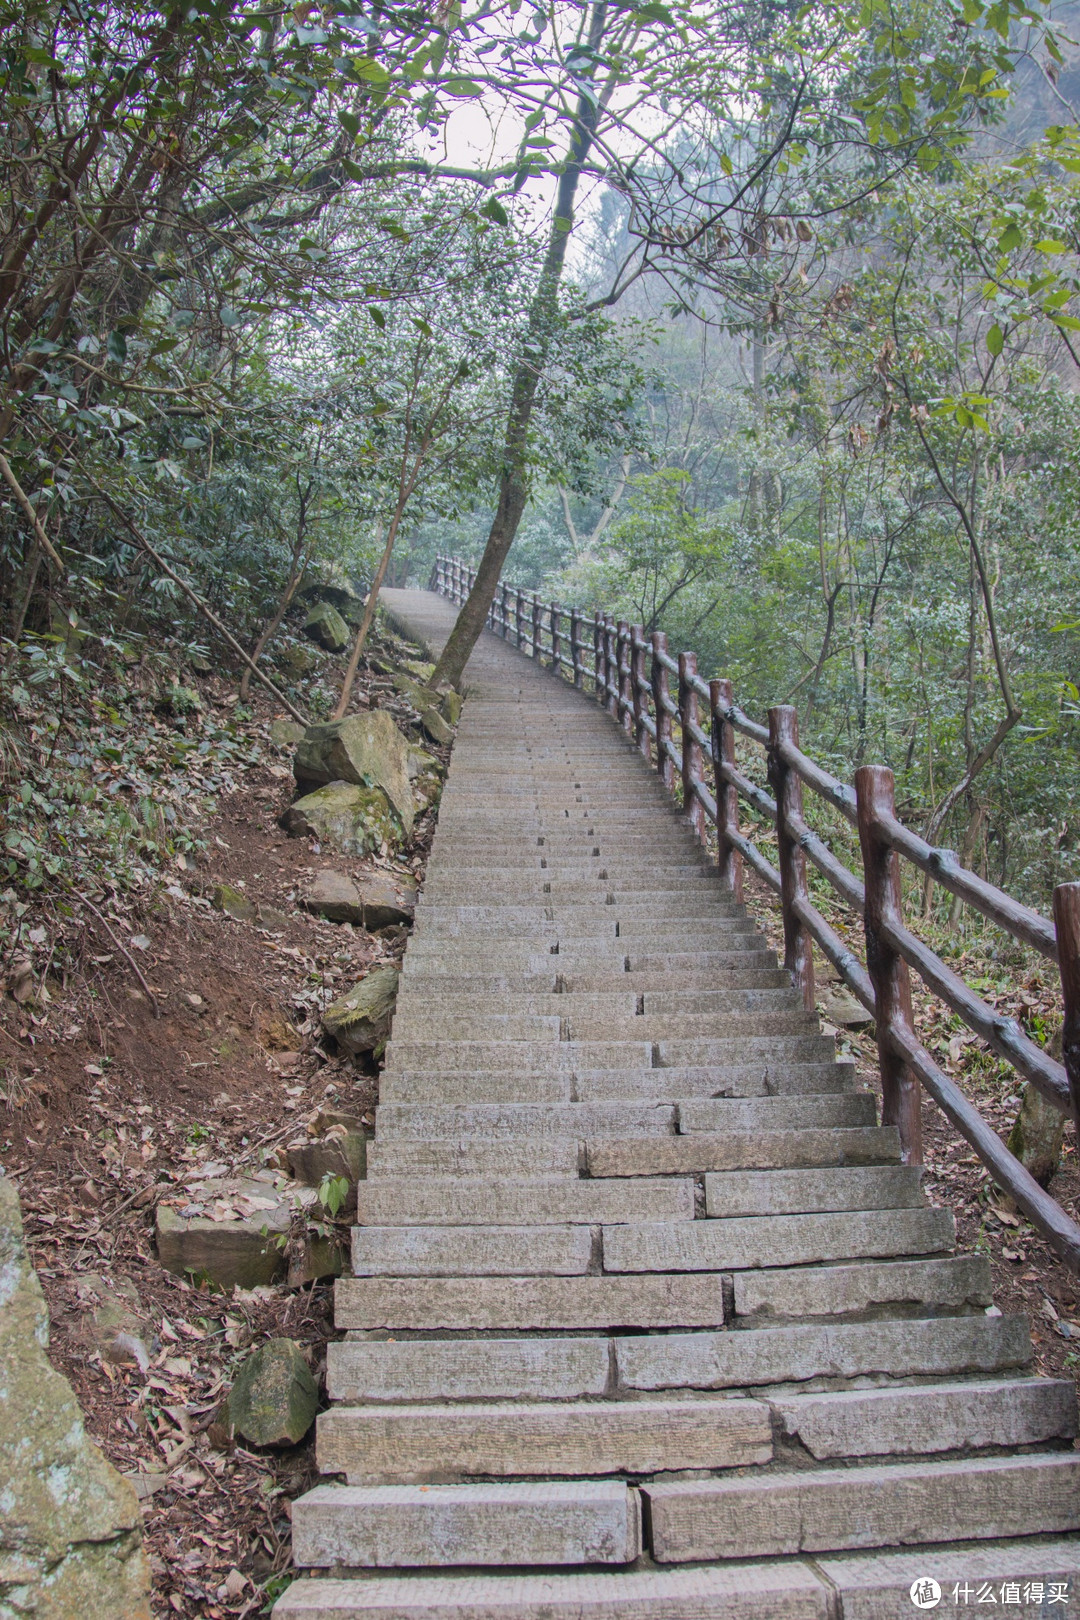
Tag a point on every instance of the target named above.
point(777, 1240)
point(756, 1357)
point(551, 1084)
point(554, 1155)
point(778, 1591)
point(460, 1251)
point(445, 1201)
point(428, 1443)
point(469, 1369)
point(957, 1283)
point(518, 1303)
point(927, 1418)
point(621, 1000)
point(402, 1526)
point(876, 1586)
point(777, 1113)
point(802, 1192)
point(457, 1056)
point(431, 1121)
point(830, 1509)
point(579, 925)
point(742, 1150)
point(416, 1020)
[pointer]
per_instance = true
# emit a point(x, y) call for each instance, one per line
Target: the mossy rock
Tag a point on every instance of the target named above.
point(1037, 1135)
point(450, 705)
point(365, 749)
point(233, 903)
point(418, 668)
point(325, 625)
point(439, 730)
point(354, 820)
point(274, 1399)
point(286, 733)
point(360, 1020)
point(296, 660)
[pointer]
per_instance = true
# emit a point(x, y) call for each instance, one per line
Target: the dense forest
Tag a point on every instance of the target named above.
point(752, 323)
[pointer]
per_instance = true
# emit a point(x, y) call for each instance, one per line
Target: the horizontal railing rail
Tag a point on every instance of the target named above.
point(632, 676)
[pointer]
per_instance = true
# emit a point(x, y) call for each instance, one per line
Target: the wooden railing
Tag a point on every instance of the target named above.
point(632, 676)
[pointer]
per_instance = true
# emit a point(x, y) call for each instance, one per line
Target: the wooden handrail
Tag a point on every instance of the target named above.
point(630, 674)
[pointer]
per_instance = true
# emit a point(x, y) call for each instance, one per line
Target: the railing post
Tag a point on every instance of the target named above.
point(787, 790)
point(638, 687)
point(611, 666)
point(537, 615)
point(555, 615)
point(729, 857)
point(576, 661)
point(1067, 927)
point(599, 659)
point(661, 696)
point(901, 1103)
point(693, 808)
point(504, 604)
point(626, 690)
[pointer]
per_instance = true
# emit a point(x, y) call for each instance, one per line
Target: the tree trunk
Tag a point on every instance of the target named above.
point(513, 488)
point(365, 623)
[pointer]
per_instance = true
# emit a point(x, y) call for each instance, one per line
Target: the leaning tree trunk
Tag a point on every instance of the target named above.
point(513, 485)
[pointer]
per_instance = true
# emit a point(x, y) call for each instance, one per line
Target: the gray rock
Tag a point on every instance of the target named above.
point(340, 1152)
point(361, 1019)
point(451, 706)
point(365, 749)
point(325, 625)
point(70, 1531)
point(354, 820)
point(438, 729)
point(113, 1321)
point(839, 1006)
point(226, 1230)
point(274, 1399)
point(286, 733)
point(334, 896)
point(385, 901)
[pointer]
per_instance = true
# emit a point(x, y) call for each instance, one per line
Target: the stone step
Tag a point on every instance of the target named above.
point(403, 1526)
point(555, 1155)
point(835, 1509)
point(876, 1586)
point(492, 1121)
point(742, 1150)
point(413, 1444)
point(550, 1304)
point(549, 1084)
point(804, 1192)
point(600, 959)
point(460, 1251)
point(620, 1000)
point(927, 1418)
point(958, 1283)
point(417, 1021)
point(757, 1357)
point(469, 1369)
point(447, 1201)
point(778, 1591)
point(542, 987)
point(723, 1114)
point(457, 1056)
point(777, 1240)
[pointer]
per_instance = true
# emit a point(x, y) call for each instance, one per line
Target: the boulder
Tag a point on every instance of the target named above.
point(274, 1399)
point(113, 1321)
point(340, 1152)
point(70, 1530)
point(325, 625)
point(365, 749)
point(451, 706)
point(315, 1257)
point(438, 729)
point(296, 660)
point(385, 901)
point(418, 669)
point(286, 733)
point(360, 1020)
point(354, 820)
point(840, 1007)
point(233, 903)
point(226, 1230)
point(334, 896)
point(421, 763)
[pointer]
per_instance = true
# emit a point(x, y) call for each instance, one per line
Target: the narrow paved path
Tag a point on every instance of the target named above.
point(646, 1319)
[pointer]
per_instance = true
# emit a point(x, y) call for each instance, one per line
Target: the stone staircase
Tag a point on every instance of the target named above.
point(646, 1320)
